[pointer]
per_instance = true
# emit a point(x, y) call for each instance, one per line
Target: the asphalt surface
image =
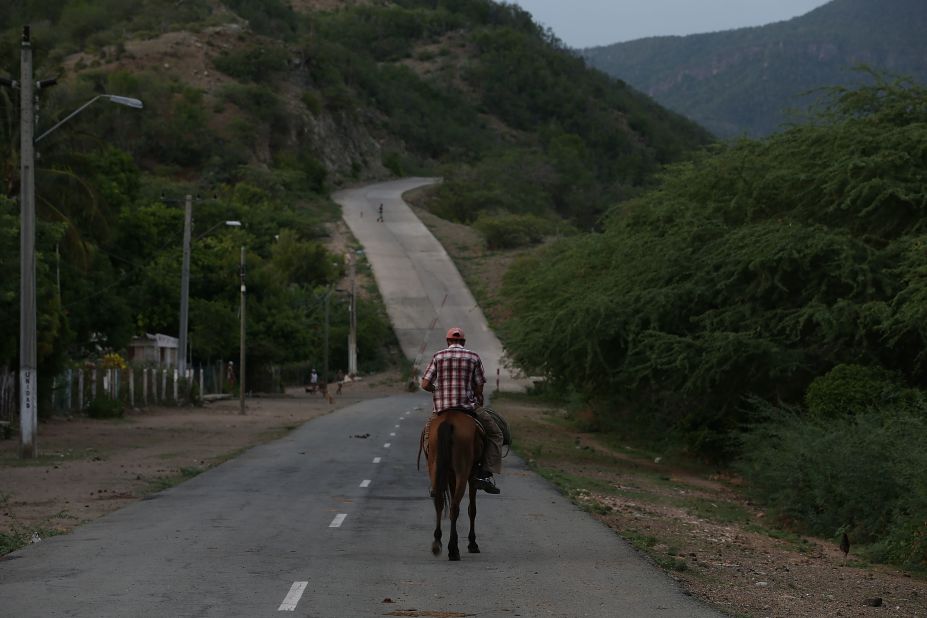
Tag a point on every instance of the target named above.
point(310, 525)
point(421, 287)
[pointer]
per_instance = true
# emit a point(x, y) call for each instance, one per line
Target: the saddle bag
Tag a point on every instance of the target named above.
point(503, 426)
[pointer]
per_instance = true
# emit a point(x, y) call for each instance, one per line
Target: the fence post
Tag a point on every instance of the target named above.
point(80, 388)
point(176, 375)
point(163, 385)
point(69, 389)
point(131, 387)
point(201, 382)
point(93, 385)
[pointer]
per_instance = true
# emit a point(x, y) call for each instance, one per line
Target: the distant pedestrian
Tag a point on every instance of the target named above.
point(313, 381)
point(340, 378)
point(230, 375)
point(380, 213)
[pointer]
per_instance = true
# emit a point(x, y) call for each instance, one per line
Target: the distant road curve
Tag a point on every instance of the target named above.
point(422, 288)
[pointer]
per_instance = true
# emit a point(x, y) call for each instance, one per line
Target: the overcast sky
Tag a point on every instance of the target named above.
point(587, 23)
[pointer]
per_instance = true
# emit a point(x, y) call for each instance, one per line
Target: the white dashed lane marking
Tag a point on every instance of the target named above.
point(339, 519)
point(376, 460)
point(392, 434)
point(293, 596)
point(365, 483)
point(387, 445)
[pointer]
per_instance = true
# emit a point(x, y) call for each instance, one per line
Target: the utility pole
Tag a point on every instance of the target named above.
point(28, 357)
point(185, 288)
point(28, 375)
point(241, 352)
point(325, 366)
point(352, 327)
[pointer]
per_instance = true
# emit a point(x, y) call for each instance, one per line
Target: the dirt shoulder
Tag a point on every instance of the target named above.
point(700, 528)
point(88, 468)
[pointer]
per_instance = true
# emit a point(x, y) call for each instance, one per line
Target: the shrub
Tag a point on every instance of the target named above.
point(850, 389)
point(393, 163)
point(105, 407)
point(512, 231)
point(259, 63)
point(863, 472)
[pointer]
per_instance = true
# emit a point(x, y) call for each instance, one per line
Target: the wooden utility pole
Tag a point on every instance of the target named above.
point(241, 352)
point(185, 288)
point(28, 374)
point(352, 328)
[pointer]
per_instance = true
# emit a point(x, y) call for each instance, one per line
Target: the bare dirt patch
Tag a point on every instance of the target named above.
point(88, 468)
point(699, 527)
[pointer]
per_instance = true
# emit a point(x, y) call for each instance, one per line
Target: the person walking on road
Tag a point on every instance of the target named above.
point(380, 214)
point(455, 378)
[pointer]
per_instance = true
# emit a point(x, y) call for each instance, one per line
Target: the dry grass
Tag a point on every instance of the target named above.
point(698, 526)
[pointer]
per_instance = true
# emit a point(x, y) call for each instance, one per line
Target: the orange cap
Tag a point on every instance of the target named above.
point(456, 333)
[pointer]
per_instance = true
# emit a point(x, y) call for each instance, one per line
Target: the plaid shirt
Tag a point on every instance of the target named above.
point(455, 372)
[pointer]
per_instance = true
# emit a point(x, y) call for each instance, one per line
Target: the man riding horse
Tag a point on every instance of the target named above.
point(455, 378)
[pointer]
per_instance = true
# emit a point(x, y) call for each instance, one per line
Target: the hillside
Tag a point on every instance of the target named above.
point(746, 81)
point(261, 108)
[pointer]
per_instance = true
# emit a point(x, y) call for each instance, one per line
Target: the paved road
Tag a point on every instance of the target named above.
point(421, 287)
point(343, 523)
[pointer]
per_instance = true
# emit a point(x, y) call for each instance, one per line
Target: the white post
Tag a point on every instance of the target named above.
point(80, 388)
point(70, 393)
point(201, 383)
point(176, 377)
point(163, 385)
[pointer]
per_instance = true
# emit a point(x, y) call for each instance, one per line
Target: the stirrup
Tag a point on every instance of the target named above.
point(487, 485)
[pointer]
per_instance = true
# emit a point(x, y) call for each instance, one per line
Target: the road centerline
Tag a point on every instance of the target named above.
point(293, 596)
point(339, 519)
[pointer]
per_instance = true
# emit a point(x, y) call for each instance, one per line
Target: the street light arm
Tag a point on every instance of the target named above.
point(221, 223)
point(127, 101)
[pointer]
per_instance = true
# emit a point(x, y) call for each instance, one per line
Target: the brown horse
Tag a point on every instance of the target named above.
point(454, 446)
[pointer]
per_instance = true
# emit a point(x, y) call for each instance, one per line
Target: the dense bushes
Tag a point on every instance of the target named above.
point(754, 270)
point(508, 231)
point(862, 473)
point(789, 271)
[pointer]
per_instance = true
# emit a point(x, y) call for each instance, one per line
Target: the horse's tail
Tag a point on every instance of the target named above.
point(443, 462)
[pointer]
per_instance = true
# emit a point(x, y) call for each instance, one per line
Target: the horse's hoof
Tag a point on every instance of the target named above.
point(473, 549)
point(436, 548)
point(453, 556)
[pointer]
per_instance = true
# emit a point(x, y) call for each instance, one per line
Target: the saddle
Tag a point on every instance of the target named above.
point(423, 442)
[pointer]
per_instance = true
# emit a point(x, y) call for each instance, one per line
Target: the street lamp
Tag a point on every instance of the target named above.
point(28, 375)
point(185, 282)
point(113, 98)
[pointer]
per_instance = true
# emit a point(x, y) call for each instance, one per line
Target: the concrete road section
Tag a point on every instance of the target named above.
point(333, 521)
point(422, 288)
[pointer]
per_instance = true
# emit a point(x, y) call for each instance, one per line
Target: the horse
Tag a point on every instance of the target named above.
point(455, 444)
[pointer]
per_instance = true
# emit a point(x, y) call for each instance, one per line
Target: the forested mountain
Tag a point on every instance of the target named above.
point(747, 81)
point(260, 107)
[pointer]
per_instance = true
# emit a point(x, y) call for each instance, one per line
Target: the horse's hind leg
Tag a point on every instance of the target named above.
point(453, 553)
point(439, 510)
point(472, 547)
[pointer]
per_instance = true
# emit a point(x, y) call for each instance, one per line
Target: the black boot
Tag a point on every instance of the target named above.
point(482, 478)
